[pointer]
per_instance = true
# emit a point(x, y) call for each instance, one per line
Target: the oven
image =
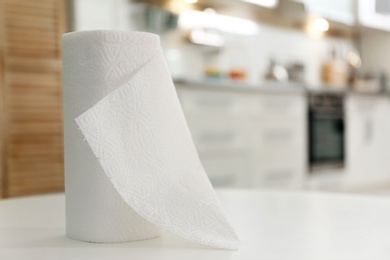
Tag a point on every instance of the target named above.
point(326, 131)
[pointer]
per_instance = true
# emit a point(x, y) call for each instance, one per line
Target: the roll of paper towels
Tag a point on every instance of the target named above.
point(131, 168)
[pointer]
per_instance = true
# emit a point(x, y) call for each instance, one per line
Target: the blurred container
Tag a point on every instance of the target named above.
point(335, 71)
point(212, 72)
point(296, 72)
point(371, 83)
point(275, 71)
point(237, 74)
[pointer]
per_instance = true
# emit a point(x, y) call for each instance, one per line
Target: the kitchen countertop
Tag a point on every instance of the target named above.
point(271, 225)
point(266, 86)
point(230, 85)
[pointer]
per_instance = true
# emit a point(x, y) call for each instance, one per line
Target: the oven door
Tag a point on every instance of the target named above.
point(326, 141)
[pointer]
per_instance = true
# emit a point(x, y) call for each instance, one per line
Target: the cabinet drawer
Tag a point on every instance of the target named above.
point(218, 134)
point(228, 172)
point(281, 133)
point(282, 107)
point(208, 103)
point(280, 165)
point(280, 177)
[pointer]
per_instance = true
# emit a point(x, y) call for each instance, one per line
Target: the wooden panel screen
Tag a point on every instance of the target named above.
point(30, 96)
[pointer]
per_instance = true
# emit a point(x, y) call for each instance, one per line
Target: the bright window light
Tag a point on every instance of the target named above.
point(196, 19)
point(191, 1)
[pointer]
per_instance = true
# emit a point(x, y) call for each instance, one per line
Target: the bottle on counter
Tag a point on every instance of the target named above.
point(335, 71)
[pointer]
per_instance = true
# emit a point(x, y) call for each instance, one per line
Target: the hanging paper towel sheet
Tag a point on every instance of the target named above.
point(131, 167)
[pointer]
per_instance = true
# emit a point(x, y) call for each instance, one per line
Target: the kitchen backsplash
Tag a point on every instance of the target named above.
point(252, 53)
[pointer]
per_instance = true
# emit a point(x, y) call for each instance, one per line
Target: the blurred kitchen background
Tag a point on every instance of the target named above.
point(278, 94)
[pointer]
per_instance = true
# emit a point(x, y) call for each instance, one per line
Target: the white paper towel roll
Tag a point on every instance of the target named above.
point(131, 167)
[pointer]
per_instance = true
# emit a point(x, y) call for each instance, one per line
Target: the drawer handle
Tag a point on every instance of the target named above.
point(277, 104)
point(217, 136)
point(215, 101)
point(278, 174)
point(278, 135)
point(227, 179)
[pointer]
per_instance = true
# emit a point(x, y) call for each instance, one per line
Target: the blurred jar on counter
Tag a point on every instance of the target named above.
point(212, 72)
point(275, 71)
point(335, 70)
point(237, 74)
point(212, 69)
point(296, 72)
point(238, 57)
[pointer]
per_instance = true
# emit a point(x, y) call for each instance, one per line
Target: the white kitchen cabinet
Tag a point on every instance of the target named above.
point(218, 122)
point(368, 141)
point(248, 139)
point(342, 11)
point(374, 14)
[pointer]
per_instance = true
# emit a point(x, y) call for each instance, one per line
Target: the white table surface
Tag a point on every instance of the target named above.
point(271, 225)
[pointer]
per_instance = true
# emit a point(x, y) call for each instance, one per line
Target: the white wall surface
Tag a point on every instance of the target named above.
point(101, 14)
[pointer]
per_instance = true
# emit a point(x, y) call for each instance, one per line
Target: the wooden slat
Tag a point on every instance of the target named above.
point(19, 52)
point(36, 169)
point(37, 143)
point(31, 33)
point(40, 173)
point(34, 139)
point(19, 105)
point(22, 38)
point(25, 10)
point(35, 187)
point(32, 46)
point(31, 90)
point(37, 159)
point(25, 112)
point(31, 18)
point(26, 191)
point(32, 78)
point(40, 117)
point(35, 100)
point(28, 25)
point(35, 5)
point(30, 154)
point(25, 148)
point(36, 87)
point(28, 182)
point(35, 128)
